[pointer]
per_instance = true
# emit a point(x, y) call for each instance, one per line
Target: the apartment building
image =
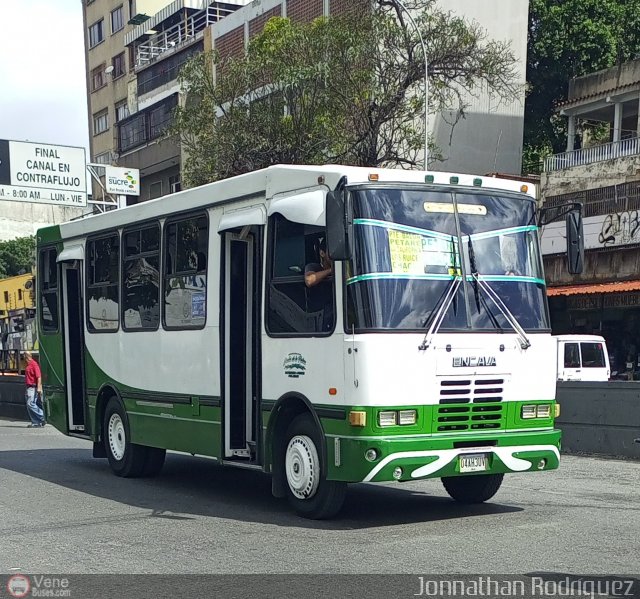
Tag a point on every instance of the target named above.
point(600, 169)
point(135, 49)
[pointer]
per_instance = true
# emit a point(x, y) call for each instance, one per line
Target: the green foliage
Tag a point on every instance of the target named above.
point(571, 38)
point(17, 256)
point(337, 90)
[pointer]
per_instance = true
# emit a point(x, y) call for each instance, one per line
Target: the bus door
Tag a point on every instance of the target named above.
point(241, 343)
point(73, 322)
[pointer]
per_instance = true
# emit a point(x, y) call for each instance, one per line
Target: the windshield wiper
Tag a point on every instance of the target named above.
point(442, 305)
point(511, 319)
point(474, 272)
point(440, 311)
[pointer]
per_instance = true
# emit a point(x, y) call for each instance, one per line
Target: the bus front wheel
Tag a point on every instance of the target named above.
point(472, 489)
point(308, 492)
point(125, 458)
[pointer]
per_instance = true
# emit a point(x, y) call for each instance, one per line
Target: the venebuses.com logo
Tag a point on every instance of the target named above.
point(20, 585)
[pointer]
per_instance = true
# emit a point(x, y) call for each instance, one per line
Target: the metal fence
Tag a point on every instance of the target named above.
point(610, 151)
point(179, 34)
point(604, 200)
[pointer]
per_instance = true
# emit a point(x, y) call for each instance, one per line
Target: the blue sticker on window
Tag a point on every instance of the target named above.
point(197, 305)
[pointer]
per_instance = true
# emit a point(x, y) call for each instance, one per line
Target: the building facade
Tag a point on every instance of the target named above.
point(601, 170)
point(135, 49)
point(128, 102)
point(490, 136)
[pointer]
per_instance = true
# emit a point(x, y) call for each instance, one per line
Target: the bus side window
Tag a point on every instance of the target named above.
point(292, 307)
point(140, 308)
point(186, 242)
point(48, 285)
point(103, 283)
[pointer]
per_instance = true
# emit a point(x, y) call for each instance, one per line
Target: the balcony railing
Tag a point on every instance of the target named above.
point(180, 34)
point(147, 125)
point(616, 149)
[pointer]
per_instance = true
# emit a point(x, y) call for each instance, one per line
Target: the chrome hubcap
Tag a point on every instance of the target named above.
point(302, 467)
point(116, 436)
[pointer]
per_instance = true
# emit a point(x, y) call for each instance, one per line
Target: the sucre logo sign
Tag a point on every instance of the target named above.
point(122, 181)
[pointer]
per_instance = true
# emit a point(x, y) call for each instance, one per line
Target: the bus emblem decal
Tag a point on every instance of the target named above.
point(471, 361)
point(294, 365)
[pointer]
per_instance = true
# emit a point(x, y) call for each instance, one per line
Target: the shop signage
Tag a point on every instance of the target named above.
point(584, 302)
point(597, 301)
point(621, 300)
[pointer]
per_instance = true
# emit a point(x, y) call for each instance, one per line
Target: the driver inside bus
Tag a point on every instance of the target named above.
point(315, 272)
point(318, 277)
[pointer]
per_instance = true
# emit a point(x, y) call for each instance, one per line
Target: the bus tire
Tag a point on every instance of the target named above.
point(308, 492)
point(472, 489)
point(125, 458)
point(154, 461)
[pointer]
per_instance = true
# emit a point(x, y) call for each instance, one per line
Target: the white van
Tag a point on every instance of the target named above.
point(582, 358)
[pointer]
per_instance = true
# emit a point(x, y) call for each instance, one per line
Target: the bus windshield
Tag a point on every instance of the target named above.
point(411, 243)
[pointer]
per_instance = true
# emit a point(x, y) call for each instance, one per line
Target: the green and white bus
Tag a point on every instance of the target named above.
point(186, 323)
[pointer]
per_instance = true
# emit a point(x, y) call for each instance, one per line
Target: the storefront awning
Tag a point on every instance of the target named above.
point(617, 287)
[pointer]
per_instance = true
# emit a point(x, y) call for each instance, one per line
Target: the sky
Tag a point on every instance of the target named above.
point(42, 72)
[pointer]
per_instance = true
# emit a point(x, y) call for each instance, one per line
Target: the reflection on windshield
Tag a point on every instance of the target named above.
point(407, 251)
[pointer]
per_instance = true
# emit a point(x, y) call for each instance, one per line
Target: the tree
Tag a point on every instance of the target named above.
point(17, 256)
point(337, 90)
point(571, 38)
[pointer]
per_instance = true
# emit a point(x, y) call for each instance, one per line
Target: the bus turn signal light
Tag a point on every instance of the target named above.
point(358, 418)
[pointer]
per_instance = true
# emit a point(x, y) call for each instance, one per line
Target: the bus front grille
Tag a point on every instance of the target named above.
point(470, 404)
point(470, 417)
point(454, 391)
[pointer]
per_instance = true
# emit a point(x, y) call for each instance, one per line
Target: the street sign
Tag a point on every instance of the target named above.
point(42, 173)
point(122, 181)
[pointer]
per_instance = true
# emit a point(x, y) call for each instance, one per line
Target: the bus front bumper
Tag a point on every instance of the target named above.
point(423, 457)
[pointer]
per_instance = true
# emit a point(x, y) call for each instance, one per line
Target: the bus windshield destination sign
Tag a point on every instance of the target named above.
point(42, 173)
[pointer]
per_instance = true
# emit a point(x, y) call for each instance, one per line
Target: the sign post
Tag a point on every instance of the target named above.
point(42, 173)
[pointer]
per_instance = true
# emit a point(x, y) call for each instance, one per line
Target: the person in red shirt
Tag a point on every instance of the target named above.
point(33, 381)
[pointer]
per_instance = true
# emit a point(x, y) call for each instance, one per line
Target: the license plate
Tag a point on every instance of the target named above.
point(476, 462)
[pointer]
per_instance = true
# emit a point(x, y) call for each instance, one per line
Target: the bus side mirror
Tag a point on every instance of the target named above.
point(575, 242)
point(339, 224)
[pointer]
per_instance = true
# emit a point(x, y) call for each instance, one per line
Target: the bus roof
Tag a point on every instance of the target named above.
point(268, 182)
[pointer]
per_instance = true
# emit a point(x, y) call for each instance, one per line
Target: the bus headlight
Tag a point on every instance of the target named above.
point(388, 418)
point(407, 416)
point(544, 410)
point(394, 417)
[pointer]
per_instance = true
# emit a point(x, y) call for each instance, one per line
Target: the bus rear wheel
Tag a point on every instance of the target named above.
point(308, 491)
point(472, 489)
point(125, 458)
